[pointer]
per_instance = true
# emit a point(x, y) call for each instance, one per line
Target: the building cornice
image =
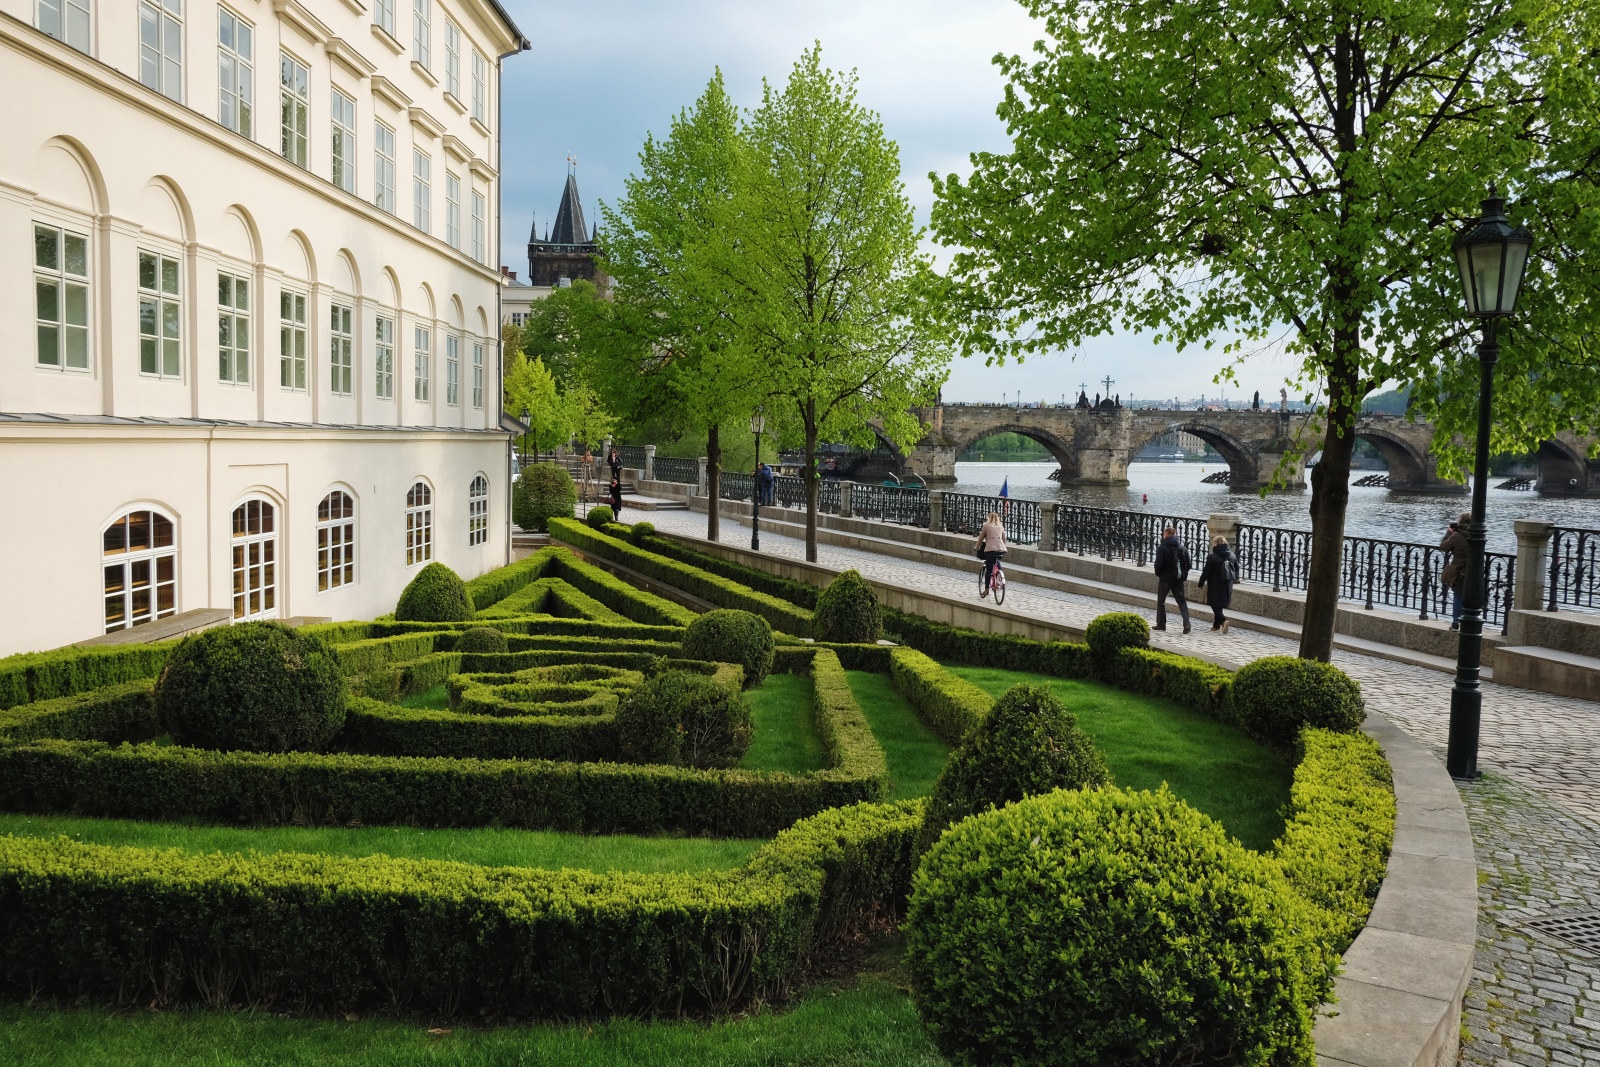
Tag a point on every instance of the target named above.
point(390, 92)
point(345, 54)
point(39, 426)
point(300, 17)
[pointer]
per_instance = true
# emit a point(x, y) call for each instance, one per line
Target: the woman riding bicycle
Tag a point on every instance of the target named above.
point(990, 547)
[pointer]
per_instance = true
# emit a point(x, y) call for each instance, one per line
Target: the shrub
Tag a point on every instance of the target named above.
point(1275, 697)
point(1029, 743)
point(481, 639)
point(684, 719)
point(847, 611)
point(640, 531)
point(600, 517)
point(256, 686)
point(541, 493)
point(732, 636)
point(436, 594)
point(1115, 631)
point(1101, 926)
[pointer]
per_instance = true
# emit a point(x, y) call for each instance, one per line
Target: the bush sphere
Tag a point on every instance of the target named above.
point(847, 612)
point(436, 594)
point(1114, 631)
point(1276, 697)
point(641, 531)
point(728, 635)
point(1101, 926)
point(544, 491)
point(253, 686)
point(684, 719)
point(600, 517)
point(481, 639)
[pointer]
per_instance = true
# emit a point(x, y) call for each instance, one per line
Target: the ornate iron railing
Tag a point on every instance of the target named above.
point(1113, 534)
point(737, 486)
point(964, 513)
point(1574, 578)
point(632, 456)
point(789, 491)
point(684, 471)
point(889, 503)
point(1372, 571)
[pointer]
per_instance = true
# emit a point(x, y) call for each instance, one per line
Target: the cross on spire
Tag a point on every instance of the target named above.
point(572, 163)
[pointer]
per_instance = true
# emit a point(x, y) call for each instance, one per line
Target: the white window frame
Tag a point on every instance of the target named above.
point(133, 560)
point(336, 541)
point(63, 293)
point(341, 349)
point(421, 190)
point(342, 140)
point(419, 523)
point(383, 172)
point(253, 559)
point(478, 512)
point(383, 356)
point(477, 375)
point(452, 59)
point(236, 61)
point(294, 84)
point(293, 338)
point(479, 209)
point(480, 87)
point(383, 17)
point(452, 210)
point(452, 370)
point(422, 353)
point(165, 343)
point(161, 47)
point(422, 32)
point(233, 328)
point(69, 21)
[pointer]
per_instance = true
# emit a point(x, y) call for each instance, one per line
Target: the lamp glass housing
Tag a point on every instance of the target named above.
point(1491, 258)
point(758, 420)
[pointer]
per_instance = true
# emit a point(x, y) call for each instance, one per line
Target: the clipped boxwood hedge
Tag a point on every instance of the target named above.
point(29, 677)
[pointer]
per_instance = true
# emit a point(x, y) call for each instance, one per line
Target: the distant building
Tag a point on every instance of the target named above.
point(567, 254)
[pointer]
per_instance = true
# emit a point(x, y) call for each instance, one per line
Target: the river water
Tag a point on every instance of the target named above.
point(1175, 489)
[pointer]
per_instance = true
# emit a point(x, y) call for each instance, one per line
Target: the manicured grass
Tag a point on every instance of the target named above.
point(489, 847)
point(915, 753)
point(435, 699)
point(1147, 741)
point(785, 735)
point(867, 1022)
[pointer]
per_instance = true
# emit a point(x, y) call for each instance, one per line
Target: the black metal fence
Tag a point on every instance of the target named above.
point(1574, 578)
point(964, 513)
point(737, 486)
point(632, 456)
point(1112, 534)
point(685, 471)
point(889, 503)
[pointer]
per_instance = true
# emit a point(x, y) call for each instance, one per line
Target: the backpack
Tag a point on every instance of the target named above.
point(1230, 570)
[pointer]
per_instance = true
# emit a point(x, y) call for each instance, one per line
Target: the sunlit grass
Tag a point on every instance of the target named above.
point(785, 736)
point(915, 753)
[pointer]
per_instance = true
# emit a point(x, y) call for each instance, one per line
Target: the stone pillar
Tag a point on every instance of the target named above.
point(936, 510)
point(703, 482)
point(1533, 537)
point(844, 500)
point(1047, 526)
point(649, 463)
point(1224, 525)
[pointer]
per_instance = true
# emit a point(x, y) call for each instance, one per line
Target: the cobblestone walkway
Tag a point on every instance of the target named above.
point(1535, 816)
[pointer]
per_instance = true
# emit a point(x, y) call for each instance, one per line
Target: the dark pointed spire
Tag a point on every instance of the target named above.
point(533, 232)
point(570, 228)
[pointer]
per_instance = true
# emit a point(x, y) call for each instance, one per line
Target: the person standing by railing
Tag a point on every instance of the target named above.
point(990, 546)
point(1221, 570)
point(1454, 575)
point(1172, 565)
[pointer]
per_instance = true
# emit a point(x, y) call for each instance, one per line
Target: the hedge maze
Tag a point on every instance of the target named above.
point(529, 737)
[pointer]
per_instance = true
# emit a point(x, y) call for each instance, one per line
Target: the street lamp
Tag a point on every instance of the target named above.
point(758, 422)
point(1491, 256)
point(526, 414)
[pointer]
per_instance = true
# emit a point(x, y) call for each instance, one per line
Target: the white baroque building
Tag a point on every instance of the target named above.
point(249, 308)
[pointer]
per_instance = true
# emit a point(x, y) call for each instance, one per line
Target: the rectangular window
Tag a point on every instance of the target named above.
point(477, 375)
point(477, 226)
point(421, 31)
point(423, 342)
point(67, 21)
point(452, 370)
point(160, 312)
point(235, 72)
point(61, 297)
point(383, 364)
point(452, 210)
point(344, 140)
point(383, 16)
point(383, 168)
point(233, 329)
point(480, 87)
point(421, 190)
point(452, 59)
point(292, 340)
point(341, 344)
point(296, 99)
point(161, 46)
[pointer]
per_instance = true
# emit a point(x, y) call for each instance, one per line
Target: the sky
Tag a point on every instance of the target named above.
point(601, 77)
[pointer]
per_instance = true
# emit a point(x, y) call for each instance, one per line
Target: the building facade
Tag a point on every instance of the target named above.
point(249, 352)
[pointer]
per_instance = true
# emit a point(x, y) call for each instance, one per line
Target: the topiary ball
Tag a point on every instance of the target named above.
point(1114, 631)
point(728, 635)
point(481, 639)
point(600, 516)
point(253, 686)
point(544, 491)
point(436, 594)
point(1276, 697)
point(1101, 926)
point(1029, 743)
point(847, 612)
point(683, 719)
point(640, 531)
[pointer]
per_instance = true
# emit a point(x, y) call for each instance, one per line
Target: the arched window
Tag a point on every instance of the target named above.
point(478, 511)
point(255, 561)
point(419, 524)
point(336, 541)
point(139, 557)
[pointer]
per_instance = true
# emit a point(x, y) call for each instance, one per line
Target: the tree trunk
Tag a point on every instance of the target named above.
point(713, 482)
point(810, 475)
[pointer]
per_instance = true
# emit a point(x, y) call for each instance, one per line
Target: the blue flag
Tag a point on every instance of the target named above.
point(1005, 487)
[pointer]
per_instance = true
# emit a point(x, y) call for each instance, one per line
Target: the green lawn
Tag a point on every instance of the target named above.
point(915, 753)
point(785, 736)
point(1147, 741)
point(434, 699)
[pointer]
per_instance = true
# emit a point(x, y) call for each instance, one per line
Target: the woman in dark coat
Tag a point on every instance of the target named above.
point(616, 498)
point(1454, 575)
point(1221, 570)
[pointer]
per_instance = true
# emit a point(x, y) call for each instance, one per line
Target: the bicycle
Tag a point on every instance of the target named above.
point(997, 584)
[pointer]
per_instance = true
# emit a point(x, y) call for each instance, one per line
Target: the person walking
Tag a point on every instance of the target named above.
point(615, 462)
point(1172, 570)
point(990, 546)
point(616, 496)
point(1454, 575)
point(1221, 570)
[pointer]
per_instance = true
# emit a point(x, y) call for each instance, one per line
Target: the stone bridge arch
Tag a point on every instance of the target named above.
point(1563, 470)
point(1245, 471)
point(1411, 467)
point(1060, 450)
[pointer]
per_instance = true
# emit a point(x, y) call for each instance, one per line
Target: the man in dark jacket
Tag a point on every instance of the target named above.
point(1457, 551)
point(1172, 570)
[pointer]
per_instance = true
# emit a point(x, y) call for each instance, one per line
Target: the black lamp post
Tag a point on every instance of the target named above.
point(758, 422)
point(1491, 256)
point(526, 414)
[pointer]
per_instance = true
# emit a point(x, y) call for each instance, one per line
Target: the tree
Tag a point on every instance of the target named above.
point(530, 387)
point(814, 257)
point(1207, 168)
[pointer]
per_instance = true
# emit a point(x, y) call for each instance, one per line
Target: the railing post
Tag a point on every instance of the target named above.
point(1533, 537)
point(703, 479)
point(844, 500)
point(1225, 525)
point(936, 509)
point(1047, 526)
point(649, 463)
